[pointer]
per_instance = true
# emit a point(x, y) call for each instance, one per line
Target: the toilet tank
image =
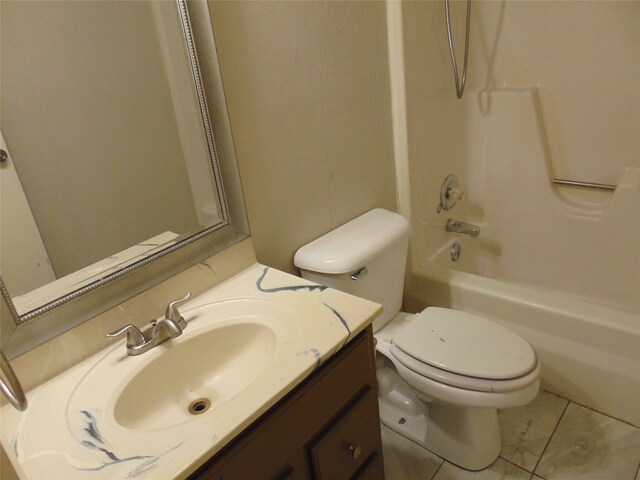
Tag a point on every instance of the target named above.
point(365, 257)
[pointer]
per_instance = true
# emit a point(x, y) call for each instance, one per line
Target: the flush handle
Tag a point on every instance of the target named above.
point(360, 273)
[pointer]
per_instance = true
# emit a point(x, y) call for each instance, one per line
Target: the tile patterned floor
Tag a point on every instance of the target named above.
point(549, 439)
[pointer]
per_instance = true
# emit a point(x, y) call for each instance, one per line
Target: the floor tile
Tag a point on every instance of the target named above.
point(405, 460)
point(590, 446)
point(526, 430)
point(498, 470)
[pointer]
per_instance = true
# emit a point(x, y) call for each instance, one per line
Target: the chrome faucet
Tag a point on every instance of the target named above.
point(461, 227)
point(171, 326)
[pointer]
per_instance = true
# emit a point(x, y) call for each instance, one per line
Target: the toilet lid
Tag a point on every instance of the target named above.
point(466, 344)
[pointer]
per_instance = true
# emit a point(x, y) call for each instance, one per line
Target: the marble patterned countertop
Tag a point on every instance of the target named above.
point(66, 435)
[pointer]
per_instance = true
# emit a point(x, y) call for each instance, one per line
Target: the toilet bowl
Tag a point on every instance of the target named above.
point(452, 414)
point(442, 374)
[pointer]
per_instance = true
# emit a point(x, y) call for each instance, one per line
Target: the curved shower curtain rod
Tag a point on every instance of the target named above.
point(459, 85)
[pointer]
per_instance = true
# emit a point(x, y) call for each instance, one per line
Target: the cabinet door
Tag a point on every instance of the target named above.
point(372, 470)
point(351, 443)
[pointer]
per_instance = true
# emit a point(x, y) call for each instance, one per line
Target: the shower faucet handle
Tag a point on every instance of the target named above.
point(450, 193)
point(454, 194)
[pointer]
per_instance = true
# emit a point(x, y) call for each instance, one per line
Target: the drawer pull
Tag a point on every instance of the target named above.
point(360, 274)
point(355, 451)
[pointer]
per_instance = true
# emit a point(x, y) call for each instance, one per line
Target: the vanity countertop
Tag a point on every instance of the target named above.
point(67, 435)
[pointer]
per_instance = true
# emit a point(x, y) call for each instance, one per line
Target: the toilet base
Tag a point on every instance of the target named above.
point(465, 436)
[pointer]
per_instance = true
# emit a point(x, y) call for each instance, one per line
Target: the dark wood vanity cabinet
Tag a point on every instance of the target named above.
point(327, 428)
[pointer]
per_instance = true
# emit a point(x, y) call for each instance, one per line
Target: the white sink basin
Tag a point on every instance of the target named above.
point(213, 366)
point(227, 348)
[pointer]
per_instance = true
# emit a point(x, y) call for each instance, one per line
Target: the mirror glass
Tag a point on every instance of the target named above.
point(111, 155)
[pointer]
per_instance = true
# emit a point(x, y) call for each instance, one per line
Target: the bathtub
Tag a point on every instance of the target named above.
point(590, 353)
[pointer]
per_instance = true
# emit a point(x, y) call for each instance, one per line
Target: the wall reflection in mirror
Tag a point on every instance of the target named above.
point(109, 159)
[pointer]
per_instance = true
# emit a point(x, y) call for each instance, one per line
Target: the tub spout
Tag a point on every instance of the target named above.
point(461, 227)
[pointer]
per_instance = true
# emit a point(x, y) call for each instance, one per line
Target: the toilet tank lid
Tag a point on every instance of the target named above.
point(351, 246)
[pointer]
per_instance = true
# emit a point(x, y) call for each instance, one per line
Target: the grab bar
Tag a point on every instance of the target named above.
point(575, 183)
point(13, 391)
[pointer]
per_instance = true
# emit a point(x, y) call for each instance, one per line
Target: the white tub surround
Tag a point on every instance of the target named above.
point(582, 242)
point(70, 429)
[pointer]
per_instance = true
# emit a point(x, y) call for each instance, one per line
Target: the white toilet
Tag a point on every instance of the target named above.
point(442, 373)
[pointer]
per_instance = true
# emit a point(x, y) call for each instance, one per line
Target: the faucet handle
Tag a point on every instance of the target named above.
point(454, 194)
point(134, 335)
point(172, 312)
point(450, 193)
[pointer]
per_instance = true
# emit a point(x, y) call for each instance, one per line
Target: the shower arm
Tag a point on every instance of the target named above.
point(459, 85)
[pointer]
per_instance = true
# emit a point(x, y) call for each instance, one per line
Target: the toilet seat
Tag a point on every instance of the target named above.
point(465, 351)
point(464, 381)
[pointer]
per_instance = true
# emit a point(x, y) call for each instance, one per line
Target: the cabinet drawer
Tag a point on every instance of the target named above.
point(350, 443)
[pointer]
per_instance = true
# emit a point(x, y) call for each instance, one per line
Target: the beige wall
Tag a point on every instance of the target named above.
point(307, 87)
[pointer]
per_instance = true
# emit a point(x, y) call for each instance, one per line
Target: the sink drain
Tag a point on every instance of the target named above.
point(199, 406)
